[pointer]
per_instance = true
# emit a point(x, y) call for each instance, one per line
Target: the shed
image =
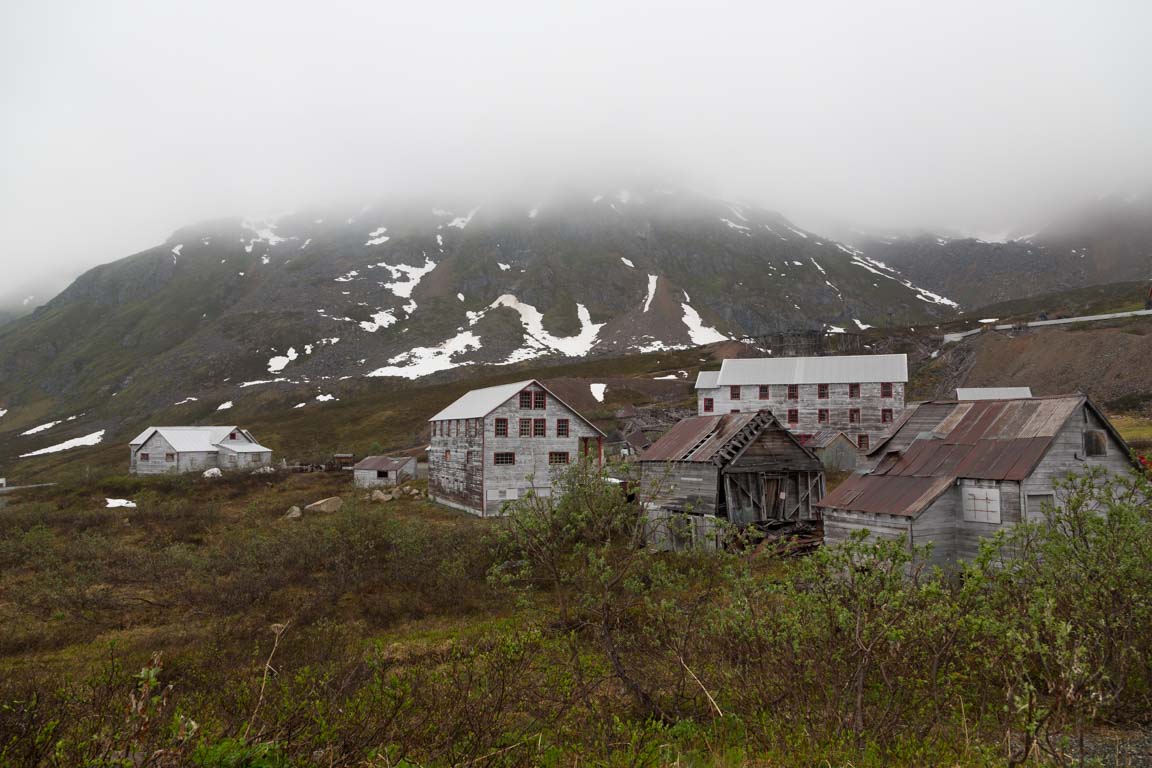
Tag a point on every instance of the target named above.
point(741, 467)
point(373, 471)
point(835, 450)
point(954, 472)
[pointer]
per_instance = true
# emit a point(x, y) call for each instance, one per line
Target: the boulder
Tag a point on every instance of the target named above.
point(293, 513)
point(381, 496)
point(213, 473)
point(330, 504)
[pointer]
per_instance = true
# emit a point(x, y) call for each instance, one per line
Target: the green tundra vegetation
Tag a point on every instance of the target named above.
point(203, 628)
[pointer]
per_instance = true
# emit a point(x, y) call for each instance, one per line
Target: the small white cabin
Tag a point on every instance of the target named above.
point(375, 471)
point(165, 450)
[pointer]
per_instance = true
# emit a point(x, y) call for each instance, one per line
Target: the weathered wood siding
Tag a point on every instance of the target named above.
point(1067, 455)
point(531, 470)
point(456, 464)
point(839, 526)
point(838, 403)
point(840, 455)
point(683, 485)
point(462, 472)
point(158, 449)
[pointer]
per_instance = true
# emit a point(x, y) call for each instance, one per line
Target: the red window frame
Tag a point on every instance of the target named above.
point(563, 428)
point(539, 427)
point(793, 391)
point(822, 416)
point(862, 442)
point(525, 428)
point(765, 392)
point(557, 457)
point(709, 405)
point(885, 415)
point(501, 427)
point(539, 400)
point(886, 389)
point(853, 415)
point(854, 391)
point(504, 458)
point(822, 391)
point(734, 391)
point(793, 415)
point(526, 399)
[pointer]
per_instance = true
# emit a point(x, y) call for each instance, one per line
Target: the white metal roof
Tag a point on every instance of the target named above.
point(838, 369)
point(480, 402)
point(707, 379)
point(196, 439)
point(993, 393)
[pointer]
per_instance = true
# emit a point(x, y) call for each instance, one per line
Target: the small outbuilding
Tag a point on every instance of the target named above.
point(835, 450)
point(743, 468)
point(374, 471)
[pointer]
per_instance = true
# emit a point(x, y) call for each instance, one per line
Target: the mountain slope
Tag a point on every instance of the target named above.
point(314, 299)
point(1107, 242)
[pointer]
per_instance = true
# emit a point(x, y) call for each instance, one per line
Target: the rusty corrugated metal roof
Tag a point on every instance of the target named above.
point(981, 440)
point(697, 438)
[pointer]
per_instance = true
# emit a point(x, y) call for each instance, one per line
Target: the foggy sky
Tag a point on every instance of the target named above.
point(121, 121)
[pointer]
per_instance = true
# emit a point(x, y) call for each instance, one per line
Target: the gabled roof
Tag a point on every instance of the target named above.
point(826, 437)
point(834, 369)
point(715, 439)
point(478, 403)
point(707, 379)
point(993, 393)
point(381, 463)
point(200, 439)
point(980, 440)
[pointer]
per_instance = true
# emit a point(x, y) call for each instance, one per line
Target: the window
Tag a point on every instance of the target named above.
point(862, 442)
point(525, 399)
point(853, 415)
point(1095, 443)
point(557, 457)
point(231, 435)
point(885, 415)
point(468, 457)
point(822, 391)
point(708, 405)
point(539, 427)
point(734, 392)
point(822, 416)
point(853, 390)
point(793, 416)
point(525, 427)
point(1039, 504)
point(143, 457)
point(793, 391)
point(169, 457)
point(501, 427)
point(447, 455)
point(981, 501)
point(254, 458)
point(539, 400)
point(504, 459)
point(765, 391)
point(562, 428)
point(886, 389)
point(734, 410)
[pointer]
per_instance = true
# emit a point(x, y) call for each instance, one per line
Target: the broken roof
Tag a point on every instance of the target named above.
point(713, 439)
point(980, 440)
point(833, 369)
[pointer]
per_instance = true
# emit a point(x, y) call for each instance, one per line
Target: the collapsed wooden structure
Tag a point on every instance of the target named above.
point(742, 468)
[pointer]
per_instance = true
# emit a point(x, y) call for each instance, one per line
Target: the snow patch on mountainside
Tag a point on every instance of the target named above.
point(77, 442)
point(280, 362)
point(423, 361)
point(539, 341)
point(697, 331)
point(463, 221)
point(377, 236)
point(652, 280)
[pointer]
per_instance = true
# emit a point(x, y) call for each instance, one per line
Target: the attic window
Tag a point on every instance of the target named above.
point(539, 400)
point(1095, 443)
point(525, 399)
point(232, 436)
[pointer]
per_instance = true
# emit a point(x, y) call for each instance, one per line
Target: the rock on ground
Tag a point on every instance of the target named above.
point(330, 504)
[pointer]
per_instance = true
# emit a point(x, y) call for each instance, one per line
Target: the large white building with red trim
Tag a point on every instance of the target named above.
point(859, 395)
point(496, 444)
